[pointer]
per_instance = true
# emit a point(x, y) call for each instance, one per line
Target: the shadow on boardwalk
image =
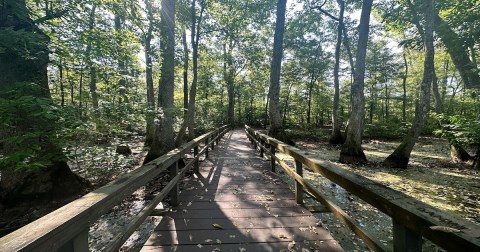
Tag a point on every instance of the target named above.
point(236, 204)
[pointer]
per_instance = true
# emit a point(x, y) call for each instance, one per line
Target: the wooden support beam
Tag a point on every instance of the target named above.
point(261, 149)
point(206, 146)
point(173, 170)
point(298, 186)
point(196, 168)
point(405, 240)
point(272, 157)
point(78, 244)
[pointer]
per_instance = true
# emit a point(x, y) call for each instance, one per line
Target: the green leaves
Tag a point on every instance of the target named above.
point(30, 129)
point(459, 129)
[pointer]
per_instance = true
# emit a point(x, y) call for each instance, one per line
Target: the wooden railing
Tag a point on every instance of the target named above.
point(66, 229)
point(412, 219)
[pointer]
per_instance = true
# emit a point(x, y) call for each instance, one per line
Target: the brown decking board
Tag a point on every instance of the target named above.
point(252, 209)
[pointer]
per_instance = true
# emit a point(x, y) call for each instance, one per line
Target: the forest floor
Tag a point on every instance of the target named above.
point(431, 177)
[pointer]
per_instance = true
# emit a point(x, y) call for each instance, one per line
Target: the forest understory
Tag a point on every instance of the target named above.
point(431, 177)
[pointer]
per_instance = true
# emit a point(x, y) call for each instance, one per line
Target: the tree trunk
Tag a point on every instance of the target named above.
point(122, 83)
point(150, 116)
point(404, 86)
point(400, 157)
point(185, 72)
point(276, 127)
point(285, 105)
point(90, 66)
point(189, 120)
point(458, 52)
point(55, 180)
point(352, 151)
point(164, 135)
point(229, 79)
point(436, 95)
point(336, 137)
point(62, 85)
point(311, 84)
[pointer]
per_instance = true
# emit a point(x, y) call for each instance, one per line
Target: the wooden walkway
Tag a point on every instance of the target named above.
point(237, 204)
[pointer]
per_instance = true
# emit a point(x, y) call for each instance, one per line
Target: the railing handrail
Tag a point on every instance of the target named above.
point(65, 224)
point(403, 209)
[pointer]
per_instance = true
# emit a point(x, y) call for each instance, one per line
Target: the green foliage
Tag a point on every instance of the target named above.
point(32, 129)
point(10, 39)
point(459, 129)
point(386, 129)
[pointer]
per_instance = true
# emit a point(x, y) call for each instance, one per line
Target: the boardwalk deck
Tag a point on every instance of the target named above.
point(236, 204)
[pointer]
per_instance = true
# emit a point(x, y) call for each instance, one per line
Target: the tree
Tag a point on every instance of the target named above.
point(189, 119)
point(164, 134)
point(37, 166)
point(352, 151)
point(276, 127)
point(148, 36)
point(400, 157)
point(336, 134)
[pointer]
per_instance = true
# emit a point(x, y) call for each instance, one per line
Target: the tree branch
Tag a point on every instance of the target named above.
point(50, 16)
point(325, 12)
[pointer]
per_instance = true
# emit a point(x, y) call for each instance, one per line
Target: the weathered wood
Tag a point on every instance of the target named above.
point(67, 223)
point(173, 170)
point(405, 239)
point(272, 159)
point(372, 242)
point(78, 244)
point(252, 207)
point(298, 186)
point(317, 209)
point(261, 149)
point(195, 154)
point(406, 210)
point(206, 148)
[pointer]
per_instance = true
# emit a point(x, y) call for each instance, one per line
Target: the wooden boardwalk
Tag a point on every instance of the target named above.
point(237, 204)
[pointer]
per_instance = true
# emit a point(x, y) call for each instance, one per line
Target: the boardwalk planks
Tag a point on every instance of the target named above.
point(236, 204)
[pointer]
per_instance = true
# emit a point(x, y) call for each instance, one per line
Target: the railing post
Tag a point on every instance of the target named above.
point(255, 144)
point(206, 146)
point(404, 239)
point(174, 192)
point(272, 157)
point(213, 141)
point(195, 154)
point(77, 244)
point(261, 149)
point(298, 186)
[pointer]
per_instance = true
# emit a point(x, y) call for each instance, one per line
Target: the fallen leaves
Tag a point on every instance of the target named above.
point(217, 226)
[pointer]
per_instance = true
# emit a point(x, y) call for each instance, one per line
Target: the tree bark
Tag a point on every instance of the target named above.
point(400, 157)
point(229, 79)
point(164, 135)
point(89, 61)
point(122, 83)
point(436, 95)
point(311, 84)
point(404, 86)
point(185, 72)
point(352, 151)
point(336, 137)
point(62, 84)
point(458, 52)
point(56, 180)
point(276, 127)
point(150, 117)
